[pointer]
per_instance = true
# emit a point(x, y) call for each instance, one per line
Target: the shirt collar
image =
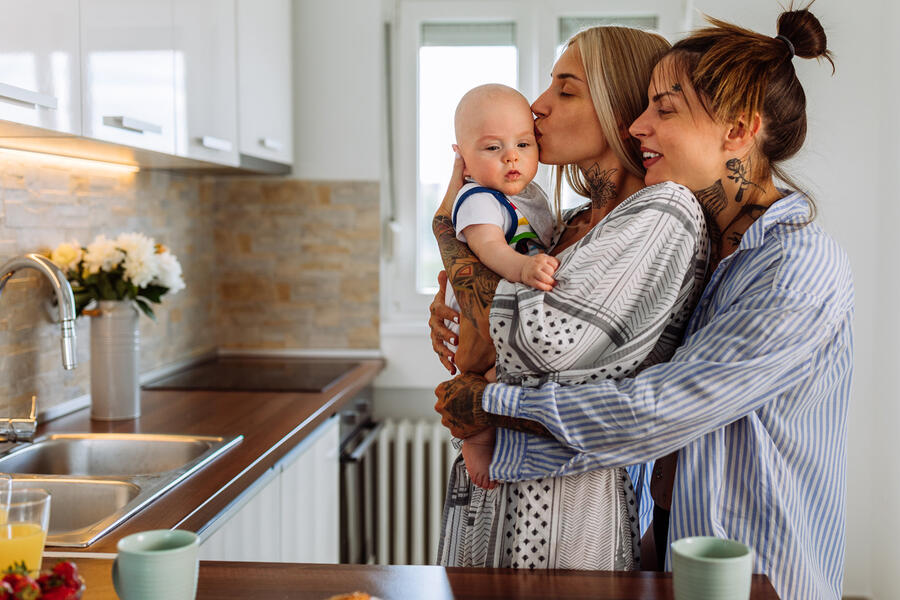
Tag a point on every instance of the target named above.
point(792, 208)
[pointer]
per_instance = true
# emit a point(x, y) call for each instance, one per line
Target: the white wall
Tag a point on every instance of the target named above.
point(884, 411)
point(338, 89)
point(849, 163)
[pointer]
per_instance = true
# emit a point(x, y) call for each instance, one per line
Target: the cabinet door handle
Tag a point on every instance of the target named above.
point(121, 122)
point(270, 143)
point(11, 92)
point(214, 143)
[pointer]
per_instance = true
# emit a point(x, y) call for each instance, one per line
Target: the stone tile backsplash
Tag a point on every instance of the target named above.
point(297, 263)
point(269, 263)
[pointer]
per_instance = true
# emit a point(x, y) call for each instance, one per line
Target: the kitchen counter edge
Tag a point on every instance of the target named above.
point(272, 423)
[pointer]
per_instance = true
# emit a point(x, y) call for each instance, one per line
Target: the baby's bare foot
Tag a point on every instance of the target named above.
point(477, 451)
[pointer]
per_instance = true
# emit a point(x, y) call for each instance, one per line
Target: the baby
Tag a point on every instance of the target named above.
point(500, 213)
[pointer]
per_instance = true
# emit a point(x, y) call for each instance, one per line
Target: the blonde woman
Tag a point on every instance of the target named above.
point(632, 261)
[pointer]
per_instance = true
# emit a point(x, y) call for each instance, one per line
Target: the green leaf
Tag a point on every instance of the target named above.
point(154, 293)
point(145, 308)
point(105, 288)
point(122, 288)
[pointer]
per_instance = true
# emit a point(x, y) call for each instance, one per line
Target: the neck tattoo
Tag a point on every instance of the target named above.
point(601, 186)
point(739, 175)
point(712, 199)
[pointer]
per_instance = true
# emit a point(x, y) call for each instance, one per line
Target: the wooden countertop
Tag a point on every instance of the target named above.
point(273, 581)
point(272, 423)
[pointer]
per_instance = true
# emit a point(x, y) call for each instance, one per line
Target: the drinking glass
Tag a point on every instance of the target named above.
point(25, 519)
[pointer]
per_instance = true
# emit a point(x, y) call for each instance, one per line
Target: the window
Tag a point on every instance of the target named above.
point(453, 58)
point(442, 48)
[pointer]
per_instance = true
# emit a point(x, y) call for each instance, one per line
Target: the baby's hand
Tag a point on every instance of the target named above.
point(477, 451)
point(538, 271)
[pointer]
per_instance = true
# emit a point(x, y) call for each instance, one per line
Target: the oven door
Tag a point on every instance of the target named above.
point(358, 495)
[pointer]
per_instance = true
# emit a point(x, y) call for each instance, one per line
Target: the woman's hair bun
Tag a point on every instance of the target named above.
point(806, 34)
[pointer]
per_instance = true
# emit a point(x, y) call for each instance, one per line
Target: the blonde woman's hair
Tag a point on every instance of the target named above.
point(618, 63)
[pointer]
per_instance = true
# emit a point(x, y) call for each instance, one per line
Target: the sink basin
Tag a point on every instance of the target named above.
point(76, 505)
point(106, 454)
point(96, 481)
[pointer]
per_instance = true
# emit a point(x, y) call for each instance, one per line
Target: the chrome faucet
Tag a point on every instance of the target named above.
point(23, 429)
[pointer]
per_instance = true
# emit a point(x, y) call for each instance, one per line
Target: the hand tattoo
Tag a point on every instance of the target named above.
point(459, 404)
point(601, 186)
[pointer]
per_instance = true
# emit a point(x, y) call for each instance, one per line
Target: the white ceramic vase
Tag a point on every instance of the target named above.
point(115, 346)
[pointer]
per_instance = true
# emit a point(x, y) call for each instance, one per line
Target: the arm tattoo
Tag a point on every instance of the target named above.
point(739, 175)
point(601, 186)
point(473, 283)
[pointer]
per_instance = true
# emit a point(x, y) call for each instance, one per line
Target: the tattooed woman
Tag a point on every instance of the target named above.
point(632, 264)
point(755, 400)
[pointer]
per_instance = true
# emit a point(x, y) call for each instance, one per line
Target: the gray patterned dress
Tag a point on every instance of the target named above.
point(623, 297)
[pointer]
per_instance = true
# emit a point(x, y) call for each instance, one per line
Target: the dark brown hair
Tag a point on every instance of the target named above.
point(736, 71)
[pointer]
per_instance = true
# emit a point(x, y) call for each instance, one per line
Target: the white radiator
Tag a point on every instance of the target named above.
point(413, 461)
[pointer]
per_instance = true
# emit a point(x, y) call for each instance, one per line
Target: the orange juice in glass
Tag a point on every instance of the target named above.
point(23, 529)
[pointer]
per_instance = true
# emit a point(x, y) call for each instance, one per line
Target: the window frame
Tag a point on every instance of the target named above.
point(537, 24)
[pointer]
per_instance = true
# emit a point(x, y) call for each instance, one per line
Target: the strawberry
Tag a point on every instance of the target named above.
point(60, 593)
point(24, 587)
point(6, 591)
point(68, 572)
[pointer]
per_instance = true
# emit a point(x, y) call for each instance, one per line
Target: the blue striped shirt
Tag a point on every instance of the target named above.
point(755, 400)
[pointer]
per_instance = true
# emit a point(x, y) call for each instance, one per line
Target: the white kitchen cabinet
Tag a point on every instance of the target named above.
point(39, 64)
point(291, 514)
point(206, 80)
point(127, 64)
point(265, 106)
point(250, 530)
point(309, 500)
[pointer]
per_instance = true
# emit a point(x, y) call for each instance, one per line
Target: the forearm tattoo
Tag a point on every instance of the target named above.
point(473, 283)
point(601, 186)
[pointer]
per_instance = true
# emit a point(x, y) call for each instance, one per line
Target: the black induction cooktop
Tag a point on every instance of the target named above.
point(258, 375)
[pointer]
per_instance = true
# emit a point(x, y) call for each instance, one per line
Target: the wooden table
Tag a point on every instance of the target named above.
point(275, 581)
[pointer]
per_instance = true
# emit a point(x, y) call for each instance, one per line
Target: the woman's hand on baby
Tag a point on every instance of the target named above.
point(459, 404)
point(538, 270)
point(457, 179)
point(439, 332)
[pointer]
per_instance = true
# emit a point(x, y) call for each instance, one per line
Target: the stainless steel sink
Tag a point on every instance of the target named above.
point(77, 505)
point(96, 481)
point(107, 454)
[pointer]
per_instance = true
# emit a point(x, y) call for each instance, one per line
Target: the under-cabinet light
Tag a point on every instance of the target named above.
point(68, 162)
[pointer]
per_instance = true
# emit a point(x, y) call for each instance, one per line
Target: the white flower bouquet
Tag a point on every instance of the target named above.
point(130, 267)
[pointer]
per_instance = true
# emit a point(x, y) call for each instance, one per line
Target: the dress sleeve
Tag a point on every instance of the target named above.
point(619, 290)
point(763, 346)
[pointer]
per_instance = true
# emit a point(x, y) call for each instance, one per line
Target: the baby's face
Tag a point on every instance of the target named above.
point(498, 146)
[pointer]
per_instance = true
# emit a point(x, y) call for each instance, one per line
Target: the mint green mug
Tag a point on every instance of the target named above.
point(711, 568)
point(157, 564)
